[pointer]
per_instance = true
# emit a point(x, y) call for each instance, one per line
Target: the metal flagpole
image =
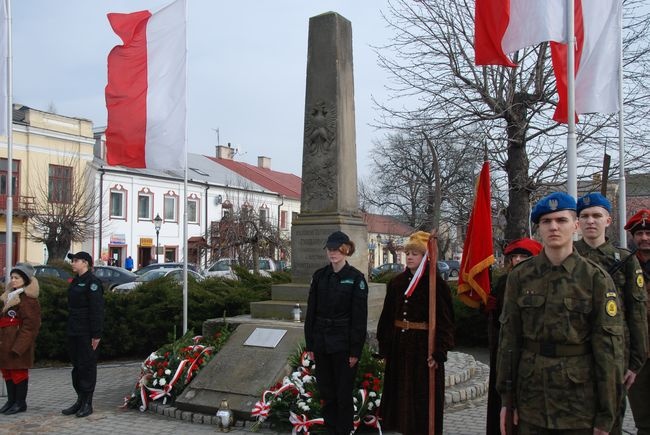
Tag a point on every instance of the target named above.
point(9, 217)
point(571, 152)
point(185, 250)
point(622, 194)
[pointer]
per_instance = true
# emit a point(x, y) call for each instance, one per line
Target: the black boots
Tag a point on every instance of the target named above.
point(11, 396)
point(74, 408)
point(20, 394)
point(86, 407)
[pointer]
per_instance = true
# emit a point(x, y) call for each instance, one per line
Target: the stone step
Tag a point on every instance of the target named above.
point(465, 379)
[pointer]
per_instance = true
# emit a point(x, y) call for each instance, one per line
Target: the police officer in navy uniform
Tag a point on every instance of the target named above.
point(335, 331)
point(84, 331)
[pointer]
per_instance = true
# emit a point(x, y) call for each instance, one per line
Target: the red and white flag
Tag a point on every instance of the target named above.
point(597, 59)
point(502, 27)
point(146, 90)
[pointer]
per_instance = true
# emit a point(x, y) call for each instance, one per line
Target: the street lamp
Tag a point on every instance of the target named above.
point(157, 223)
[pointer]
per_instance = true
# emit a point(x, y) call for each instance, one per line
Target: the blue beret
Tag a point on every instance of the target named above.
point(594, 200)
point(556, 201)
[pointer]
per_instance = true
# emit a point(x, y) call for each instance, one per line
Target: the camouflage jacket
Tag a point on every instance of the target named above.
point(645, 266)
point(630, 285)
point(573, 306)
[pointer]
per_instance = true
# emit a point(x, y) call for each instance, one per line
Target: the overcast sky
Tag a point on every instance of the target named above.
point(247, 63)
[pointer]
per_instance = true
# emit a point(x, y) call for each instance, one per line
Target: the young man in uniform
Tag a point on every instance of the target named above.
point(594, 218)
point(561, 341)
point(84, 330)
point(639, 394)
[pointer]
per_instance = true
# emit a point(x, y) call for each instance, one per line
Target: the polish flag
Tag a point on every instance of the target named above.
point(597, 60)
point(502, 27)
point(146, 90)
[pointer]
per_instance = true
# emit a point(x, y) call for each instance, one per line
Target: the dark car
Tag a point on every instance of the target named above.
point(454, 267)
point(111, 276)
point(443, 269)
point(52, 271)
point(386, 268)
point(154, 266)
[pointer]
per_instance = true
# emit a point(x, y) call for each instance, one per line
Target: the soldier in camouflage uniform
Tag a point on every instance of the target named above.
point(594, 218)
point(639, 394)
point(562, 322)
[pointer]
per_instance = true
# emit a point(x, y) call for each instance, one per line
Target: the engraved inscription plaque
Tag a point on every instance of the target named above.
point(265, 337)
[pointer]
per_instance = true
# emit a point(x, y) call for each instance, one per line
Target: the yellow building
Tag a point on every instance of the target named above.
point(50, 154)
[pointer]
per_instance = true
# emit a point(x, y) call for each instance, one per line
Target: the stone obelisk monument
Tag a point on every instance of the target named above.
point(329, 199)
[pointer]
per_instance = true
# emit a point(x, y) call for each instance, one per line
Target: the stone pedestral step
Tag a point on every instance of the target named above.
point(465, 379)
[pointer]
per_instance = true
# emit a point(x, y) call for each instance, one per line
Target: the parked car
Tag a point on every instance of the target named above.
point(222, 269)
point(154, 266)
point(454, 267)
point(176, 274)
point(111, 276)
point(386, 268)
point(443, 269)
point(49, 270)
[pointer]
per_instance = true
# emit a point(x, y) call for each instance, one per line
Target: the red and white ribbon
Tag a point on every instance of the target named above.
point(302, 424)
point(262, 409)
point(416, 276)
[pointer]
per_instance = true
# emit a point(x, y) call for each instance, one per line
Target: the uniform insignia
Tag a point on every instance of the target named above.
point(81, 284)
point(347, 281)
point(611, 294)
point(639, 280)
point(617, 256)
point(11, 313)
point(552, 204)
point(93, 287)
point(362, 285)
point(586, 200)
point(611, 308)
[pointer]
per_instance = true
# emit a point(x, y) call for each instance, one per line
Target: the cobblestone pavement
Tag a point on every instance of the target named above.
point(50, 390)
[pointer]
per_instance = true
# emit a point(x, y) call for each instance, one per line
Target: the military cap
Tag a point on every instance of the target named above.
point(556, 201)
point(594, 200)
point(640, 221)
point(82, 255)
point(523, 246)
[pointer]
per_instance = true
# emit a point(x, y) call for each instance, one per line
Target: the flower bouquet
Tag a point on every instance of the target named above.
point(166, 372)
point(294, 403)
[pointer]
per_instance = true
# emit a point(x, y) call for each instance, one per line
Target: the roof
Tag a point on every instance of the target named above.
point(282, 183)
point(386, 225)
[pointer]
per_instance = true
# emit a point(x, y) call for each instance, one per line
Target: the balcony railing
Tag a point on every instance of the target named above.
point(22, 205)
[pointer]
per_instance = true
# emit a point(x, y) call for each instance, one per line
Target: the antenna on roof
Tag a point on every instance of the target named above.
point(216, 130)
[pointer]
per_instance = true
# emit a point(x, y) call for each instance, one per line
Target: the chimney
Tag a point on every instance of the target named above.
point(264, 162)
point(224, 152)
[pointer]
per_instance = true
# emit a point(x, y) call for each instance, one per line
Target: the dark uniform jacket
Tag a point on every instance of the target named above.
point(337, 311)
point(645, 267)
point(23, 318)
point(85, 306)
point(565, 330)
point(629, 283)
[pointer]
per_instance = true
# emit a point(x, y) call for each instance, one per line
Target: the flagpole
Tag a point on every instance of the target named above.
point(185, 250)
point(9, 216)
point(622, 194)
point(572, 154)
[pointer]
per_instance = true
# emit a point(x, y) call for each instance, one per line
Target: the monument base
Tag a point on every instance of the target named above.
point(309, 231)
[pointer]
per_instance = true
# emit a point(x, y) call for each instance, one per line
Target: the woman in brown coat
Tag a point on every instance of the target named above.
point(402, 333)
point(19, 324)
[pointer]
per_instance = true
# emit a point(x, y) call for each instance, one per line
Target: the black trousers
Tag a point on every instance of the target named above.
point(84, 363)
point(335, 380)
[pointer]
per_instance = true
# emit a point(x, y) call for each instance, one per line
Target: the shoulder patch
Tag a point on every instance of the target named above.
point(94, 287)
point(639, 280)
point(611, 308)
point(362, 285)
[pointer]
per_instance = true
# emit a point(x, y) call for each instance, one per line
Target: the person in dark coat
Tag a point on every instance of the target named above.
point(84, 331)
point(335, 331)
point(402, 335)
point(20, 322)
point(515, 252)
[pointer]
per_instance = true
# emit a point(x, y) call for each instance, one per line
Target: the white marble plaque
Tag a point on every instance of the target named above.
point(265, 337)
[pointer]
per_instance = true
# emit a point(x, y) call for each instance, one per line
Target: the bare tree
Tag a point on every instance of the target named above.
point(65, 211)
point(437, 87)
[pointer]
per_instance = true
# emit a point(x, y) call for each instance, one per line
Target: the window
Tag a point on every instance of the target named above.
point(60, 184)
point(193, 209)
point(4, 177)
point(144, 206)
point(264, 214)
point(170, 207)
point(226, 210)
point(283, 219)
point(117, 204)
